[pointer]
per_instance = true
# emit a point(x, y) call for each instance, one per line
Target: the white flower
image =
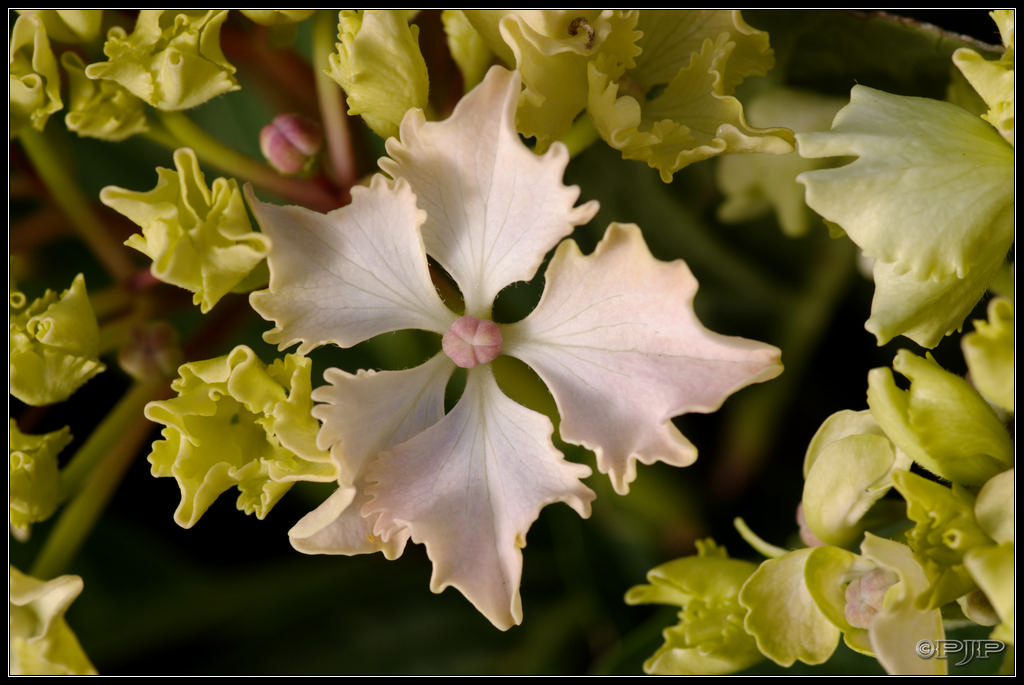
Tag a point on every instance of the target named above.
point(614, 337)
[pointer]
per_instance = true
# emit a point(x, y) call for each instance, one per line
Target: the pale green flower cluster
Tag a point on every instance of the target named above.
point(935, 461)
point(907, 509)
point(657, 85)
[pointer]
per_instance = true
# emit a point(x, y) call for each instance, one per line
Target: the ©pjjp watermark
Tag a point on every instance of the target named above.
point(967, 650)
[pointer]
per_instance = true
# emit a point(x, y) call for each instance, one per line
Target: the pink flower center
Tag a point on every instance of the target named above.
point(471, 341)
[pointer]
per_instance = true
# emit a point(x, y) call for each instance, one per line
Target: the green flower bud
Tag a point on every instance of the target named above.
point(41, 642)
point(34, 479)
point(54, 343)
point(238, 422)
point(848, 468)
point(171, 60)
point(380, 67)
point(100, 109)
point(199, 238)
point(34, 77)
point(941, 422)
point(709, 638)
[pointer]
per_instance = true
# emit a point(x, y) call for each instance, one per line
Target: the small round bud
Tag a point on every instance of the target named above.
point(290, 142)
point(471, 341)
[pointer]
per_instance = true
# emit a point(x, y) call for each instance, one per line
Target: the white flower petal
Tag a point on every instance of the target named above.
point(348, 275)
point(494, 208)
point(367, 412)
point(363, 414)
point(616, 340)
point(469, 487)
point(338, 527)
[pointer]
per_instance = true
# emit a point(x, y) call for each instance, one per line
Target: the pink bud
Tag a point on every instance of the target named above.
point(471, 341)
point(290, 141)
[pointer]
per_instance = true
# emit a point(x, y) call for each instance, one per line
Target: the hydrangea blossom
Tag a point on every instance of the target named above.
point(614, 337)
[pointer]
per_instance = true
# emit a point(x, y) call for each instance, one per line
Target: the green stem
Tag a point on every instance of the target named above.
point(56, 174)
point(211, 150)
point(93, 475)
point(581, 135)
point(333, 114)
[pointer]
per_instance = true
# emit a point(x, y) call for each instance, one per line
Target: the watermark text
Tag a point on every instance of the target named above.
point(964, 650)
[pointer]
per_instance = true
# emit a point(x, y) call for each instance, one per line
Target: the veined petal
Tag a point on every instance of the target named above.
point(338, 526)
point(348, 275)
point(494, 208)
point(469, 487)
point(931, 190)
point(616, 340)
point(363, 414)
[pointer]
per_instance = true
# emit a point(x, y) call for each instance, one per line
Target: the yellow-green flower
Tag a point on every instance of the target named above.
point(172, 59)
point(929, 198)
point(379, 65)
point(993, 80)
point(34, 78)
point(709, 638)
point(941, 422)
point(199, 237)
point(676, 105)
point(98, 108)
point(34, 478)
point(69, 25)
point(40, 640)
point(990, 354)
point(54, 344)
point(848, 468)
point(238, 422)
point(945, 529)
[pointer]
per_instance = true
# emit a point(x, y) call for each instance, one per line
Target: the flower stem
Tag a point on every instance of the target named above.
point(56, 174)
point(93, 475)
point(227, 159)
point(340, 157)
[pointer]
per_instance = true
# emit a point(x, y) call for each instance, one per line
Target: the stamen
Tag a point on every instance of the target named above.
point(471, 341)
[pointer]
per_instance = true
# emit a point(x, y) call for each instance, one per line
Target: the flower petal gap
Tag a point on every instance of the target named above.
point(351, 274)
point(494, 207)
point(469, 487)
point(620, 324)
